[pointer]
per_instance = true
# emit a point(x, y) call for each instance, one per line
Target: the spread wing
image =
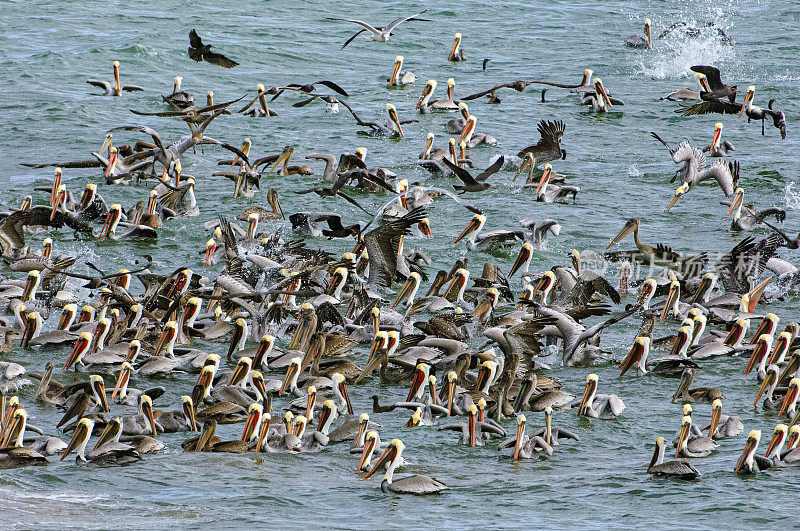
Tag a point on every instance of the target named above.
point(489, 91)
point(711, 73)
point(491, 170)
point(142, 129)
point(219, 59)
point(461, 173)
point(194, 39)
point(711, 106)
point(333, 86)
point(392, 25)
point(382, 244)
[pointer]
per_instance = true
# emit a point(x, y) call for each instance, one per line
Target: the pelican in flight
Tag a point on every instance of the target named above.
point(381, 33)
point(693, 171)
point(416, 484)
point(115, 88)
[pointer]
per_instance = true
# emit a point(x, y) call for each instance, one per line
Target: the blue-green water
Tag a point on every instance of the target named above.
point(49, 49)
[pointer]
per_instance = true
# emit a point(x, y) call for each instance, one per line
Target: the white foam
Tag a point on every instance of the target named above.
point(790, 196)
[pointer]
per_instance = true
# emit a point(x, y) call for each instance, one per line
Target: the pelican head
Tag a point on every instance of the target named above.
point(392, 110)
point(682, 189)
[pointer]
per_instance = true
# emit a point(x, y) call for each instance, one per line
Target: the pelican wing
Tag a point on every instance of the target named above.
point(382, 245)
point(720, 171)
point(142, 129)
point(105, 85)
point(333, 86)
point(550, 134)
point(711, 106)
point(711, 73)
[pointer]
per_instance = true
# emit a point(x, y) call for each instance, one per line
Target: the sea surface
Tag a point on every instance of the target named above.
point(49, 48)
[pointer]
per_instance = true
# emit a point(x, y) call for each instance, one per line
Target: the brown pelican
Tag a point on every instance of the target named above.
point(548, 148)
point(753, 112)
point(685, 94)
point(718, 147)
point(549, 193)
point(660, 255)
point(416, 484)
point(489, 240)
point(637, 357)
point(723, 426)
point(398, 77)
point(380, 33)
point(17, 455)
point(456, 52)
point(425, 104)
point(599, 100)
point(637, 41)
point(599, 406)
point(698, 394)
point(676, 469)
point(774, 451)
point(115, 88)
point(699, 446)
point(693, 171)
point(525, 446)
point(108, 452)
point(261, 110)
point(474, 431)
point(749, 462)
point(768, 386)
point(746, 217)
point(202, 52)
point(179, 99)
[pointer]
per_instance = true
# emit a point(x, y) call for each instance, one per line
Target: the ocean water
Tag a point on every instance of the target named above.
point(49, 49)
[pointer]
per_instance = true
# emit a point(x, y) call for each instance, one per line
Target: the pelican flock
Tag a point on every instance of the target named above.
point(259, 342)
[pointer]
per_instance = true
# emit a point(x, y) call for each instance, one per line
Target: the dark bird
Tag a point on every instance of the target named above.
point(202, 52)
point(519, 86)
point(474, 184)
point(309, 88)
point(719, 90)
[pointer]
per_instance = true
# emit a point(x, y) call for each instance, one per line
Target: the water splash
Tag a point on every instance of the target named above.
point(674, 54)
point(790, 196)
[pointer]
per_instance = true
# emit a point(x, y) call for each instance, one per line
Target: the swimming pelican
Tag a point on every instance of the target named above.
point(456, 52)
point(636, 41)
point(416, 484)
point(678, 469)
point(599, 406)
point(114, 88)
